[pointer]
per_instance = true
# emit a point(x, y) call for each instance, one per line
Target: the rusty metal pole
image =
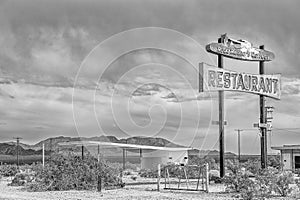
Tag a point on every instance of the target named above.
point(263, 129)
point(221, 119)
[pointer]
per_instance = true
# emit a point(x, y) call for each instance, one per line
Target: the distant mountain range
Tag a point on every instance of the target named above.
point(51, 144)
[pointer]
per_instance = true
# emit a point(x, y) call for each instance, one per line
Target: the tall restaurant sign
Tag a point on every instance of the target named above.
point(239, 49)
point(216, 79)
point(220, 79)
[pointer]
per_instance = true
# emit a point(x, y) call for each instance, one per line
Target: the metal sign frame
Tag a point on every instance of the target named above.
point(245, 51)
point(239, 49)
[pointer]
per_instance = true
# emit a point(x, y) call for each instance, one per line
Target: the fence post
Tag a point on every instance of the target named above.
point(165, 170)
point(158, 177)
point(207, 176)
point(99, 184)
point(43, 155)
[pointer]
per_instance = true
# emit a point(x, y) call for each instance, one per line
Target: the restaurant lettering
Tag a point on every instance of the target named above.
point(214, 79)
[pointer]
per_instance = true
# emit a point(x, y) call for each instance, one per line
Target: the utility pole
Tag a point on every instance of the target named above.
point(263, 120)
point(239, 144)
point(221, 118)
point(18, 143)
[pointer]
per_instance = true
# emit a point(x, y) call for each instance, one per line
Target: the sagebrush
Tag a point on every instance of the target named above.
point(72, 172)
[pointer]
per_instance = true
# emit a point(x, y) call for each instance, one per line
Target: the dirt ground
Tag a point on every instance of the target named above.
point(129, 192)
point(136, 192)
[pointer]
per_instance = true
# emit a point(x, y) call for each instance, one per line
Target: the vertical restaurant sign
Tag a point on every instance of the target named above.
point(215, 79)
point(239, 49)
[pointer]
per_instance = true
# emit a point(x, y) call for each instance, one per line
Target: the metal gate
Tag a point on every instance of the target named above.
point(184, 177)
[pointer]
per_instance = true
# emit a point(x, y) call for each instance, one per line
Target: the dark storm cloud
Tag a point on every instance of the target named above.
point(44, 42)
point(80, 25)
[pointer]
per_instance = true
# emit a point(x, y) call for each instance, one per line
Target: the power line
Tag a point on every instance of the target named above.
point(288, 128)
point(278, 129)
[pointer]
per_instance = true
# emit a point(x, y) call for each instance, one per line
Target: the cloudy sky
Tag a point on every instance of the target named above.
point(128, 68)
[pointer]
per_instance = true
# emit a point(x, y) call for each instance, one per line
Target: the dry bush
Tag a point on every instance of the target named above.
point(266, 182)
point(71, 172)
point(8, 170)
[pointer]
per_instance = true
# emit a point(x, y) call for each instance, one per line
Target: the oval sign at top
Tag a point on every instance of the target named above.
point(239, 49)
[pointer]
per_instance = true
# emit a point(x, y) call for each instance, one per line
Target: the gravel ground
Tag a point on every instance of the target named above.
point(129, 192)
point(137, 192)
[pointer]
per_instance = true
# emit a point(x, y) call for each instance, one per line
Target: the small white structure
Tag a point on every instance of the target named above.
point(290, 156)
point(150, 159)
point(150, 156)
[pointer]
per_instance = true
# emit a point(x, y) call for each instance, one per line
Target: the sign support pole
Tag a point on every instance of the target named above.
point(224, 47)
point(221, 119)
point(263, 130)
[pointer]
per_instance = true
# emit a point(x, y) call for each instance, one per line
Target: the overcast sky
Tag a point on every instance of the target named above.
point(128, 68)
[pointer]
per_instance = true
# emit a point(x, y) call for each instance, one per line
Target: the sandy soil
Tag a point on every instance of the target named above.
point(129, 192)
point(137, 192)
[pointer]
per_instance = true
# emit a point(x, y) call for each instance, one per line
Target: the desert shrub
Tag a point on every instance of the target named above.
point(282, 183)
point(148, 173)
point(266, 182)
point(128, 166)
point(239, 181)
point(297, 172)
point(8, 170)
point(134, 177)
point(253, 166)
point(272, 180)
point(66, 173)
point(196, 160)
point(296, 193)
point(274, 161)
point(265, 179)
point(214, 175)
point(21, 179)
point(249, 189)
point(235, 179)
point(131, 166)
point(31, 168)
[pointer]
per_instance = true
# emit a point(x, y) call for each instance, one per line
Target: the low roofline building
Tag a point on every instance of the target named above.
point(290, 156)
